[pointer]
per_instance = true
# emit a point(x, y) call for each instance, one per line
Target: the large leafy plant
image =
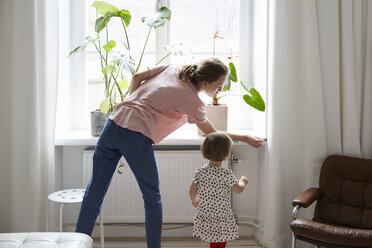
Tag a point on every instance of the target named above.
point(118, 65)
point(252, 97)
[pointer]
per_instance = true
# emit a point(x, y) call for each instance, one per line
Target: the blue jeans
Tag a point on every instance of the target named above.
point(137, 149)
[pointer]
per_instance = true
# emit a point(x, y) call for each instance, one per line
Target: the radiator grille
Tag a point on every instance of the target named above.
point(123, 201)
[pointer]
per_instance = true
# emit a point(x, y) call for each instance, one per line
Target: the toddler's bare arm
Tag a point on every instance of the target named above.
point(239, 187)
point(193, 194)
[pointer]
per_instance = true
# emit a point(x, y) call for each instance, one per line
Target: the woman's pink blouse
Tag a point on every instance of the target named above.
point(160, 105)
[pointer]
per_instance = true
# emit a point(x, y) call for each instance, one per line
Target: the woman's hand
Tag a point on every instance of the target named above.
point(254, 140)
point(207, 127)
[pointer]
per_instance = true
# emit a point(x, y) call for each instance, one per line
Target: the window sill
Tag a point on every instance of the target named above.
point(179, 137)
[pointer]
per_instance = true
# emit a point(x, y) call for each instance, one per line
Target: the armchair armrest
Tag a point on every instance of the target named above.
point(307, 197)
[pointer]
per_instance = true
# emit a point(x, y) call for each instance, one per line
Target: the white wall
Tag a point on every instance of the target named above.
point(245, 205)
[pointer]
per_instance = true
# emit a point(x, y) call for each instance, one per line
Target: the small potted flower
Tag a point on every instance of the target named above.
point(217, 113)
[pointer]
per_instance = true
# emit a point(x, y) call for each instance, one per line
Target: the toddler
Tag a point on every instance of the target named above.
point(210, 193)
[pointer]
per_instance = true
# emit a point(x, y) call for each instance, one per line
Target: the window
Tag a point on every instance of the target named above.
point(193, 23)
point(137, 32)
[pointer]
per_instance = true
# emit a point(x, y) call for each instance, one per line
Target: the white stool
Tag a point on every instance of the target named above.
point(72, 196)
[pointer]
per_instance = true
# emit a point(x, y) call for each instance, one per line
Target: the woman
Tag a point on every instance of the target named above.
point(161, 100)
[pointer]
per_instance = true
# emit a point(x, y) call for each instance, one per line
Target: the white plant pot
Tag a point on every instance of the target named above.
point(97, 122)
point(217, 115)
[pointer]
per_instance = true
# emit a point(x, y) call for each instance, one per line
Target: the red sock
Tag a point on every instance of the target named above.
point(217, 245)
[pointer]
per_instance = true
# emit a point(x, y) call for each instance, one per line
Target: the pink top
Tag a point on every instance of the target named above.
point(160, 105)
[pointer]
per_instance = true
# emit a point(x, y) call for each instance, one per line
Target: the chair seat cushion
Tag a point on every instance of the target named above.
point(45, 240)
point(331, 234)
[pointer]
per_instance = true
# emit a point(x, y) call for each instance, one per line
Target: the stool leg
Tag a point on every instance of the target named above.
point(60, 217)
point(101, 228)
point(48, 213)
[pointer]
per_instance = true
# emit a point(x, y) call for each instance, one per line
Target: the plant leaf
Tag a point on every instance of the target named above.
point(125, 15)
point(226, 86)
point(255, 100)
point(127, 64)
point(103, 7)
point(232, 75)
point(108, 69)
point(81, 48)
point(104, 106)
point(100, 24)
point(91, 39)
point(129, 67)
point(123, 84)
point(109, 46)
point(76, 50)
point(178, 50)
point(158, 19)
point(151, 22)
point(164, 12)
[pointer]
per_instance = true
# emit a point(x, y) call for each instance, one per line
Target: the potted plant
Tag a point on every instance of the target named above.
point(217, 113)
point(117, 65)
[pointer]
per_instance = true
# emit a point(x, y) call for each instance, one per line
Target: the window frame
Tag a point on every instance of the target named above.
point(77, 93)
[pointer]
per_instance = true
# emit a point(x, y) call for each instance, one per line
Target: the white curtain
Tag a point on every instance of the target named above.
point(319, 98)
point(28, 100)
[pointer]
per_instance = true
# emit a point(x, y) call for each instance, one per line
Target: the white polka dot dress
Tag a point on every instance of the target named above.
point(214, 220)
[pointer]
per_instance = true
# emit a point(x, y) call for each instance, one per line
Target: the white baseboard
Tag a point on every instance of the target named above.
point(169, 230)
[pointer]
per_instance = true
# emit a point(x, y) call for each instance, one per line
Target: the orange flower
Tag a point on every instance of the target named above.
point(216, 36)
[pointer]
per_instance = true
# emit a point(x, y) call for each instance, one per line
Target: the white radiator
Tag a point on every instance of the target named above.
point(123, 201)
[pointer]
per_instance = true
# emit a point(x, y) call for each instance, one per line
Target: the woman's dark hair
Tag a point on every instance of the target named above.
point(216, 146)
point(209, 70)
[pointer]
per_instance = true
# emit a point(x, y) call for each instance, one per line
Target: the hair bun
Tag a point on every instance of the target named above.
point(193, 72)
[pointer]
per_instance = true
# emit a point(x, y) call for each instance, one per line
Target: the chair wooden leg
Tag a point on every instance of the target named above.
point(293, 240)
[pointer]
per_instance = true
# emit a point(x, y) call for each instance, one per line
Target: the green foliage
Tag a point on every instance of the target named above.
point(253, 98)
point(102, 7)
point(101, 23)
point(108, 69)
point(232, 75)
point(110, 45)
point(125, 16)
point(123, 84)
point(118, 66)
point(159, 19)
point(81, 48)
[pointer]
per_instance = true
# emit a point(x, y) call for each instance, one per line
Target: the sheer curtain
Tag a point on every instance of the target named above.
point(28, 100)
point(319, 98)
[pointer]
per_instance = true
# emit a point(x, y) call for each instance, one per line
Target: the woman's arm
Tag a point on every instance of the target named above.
point(137, 79)
point(193, 194)
point(207, 127)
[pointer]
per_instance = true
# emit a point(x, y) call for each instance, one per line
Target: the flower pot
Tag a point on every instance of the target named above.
point(217, 115)
point(97, 121)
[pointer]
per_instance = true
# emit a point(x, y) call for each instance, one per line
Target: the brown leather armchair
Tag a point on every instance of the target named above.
point(343, 212)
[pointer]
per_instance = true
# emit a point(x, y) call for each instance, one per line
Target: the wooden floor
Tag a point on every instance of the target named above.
point(172, 242)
